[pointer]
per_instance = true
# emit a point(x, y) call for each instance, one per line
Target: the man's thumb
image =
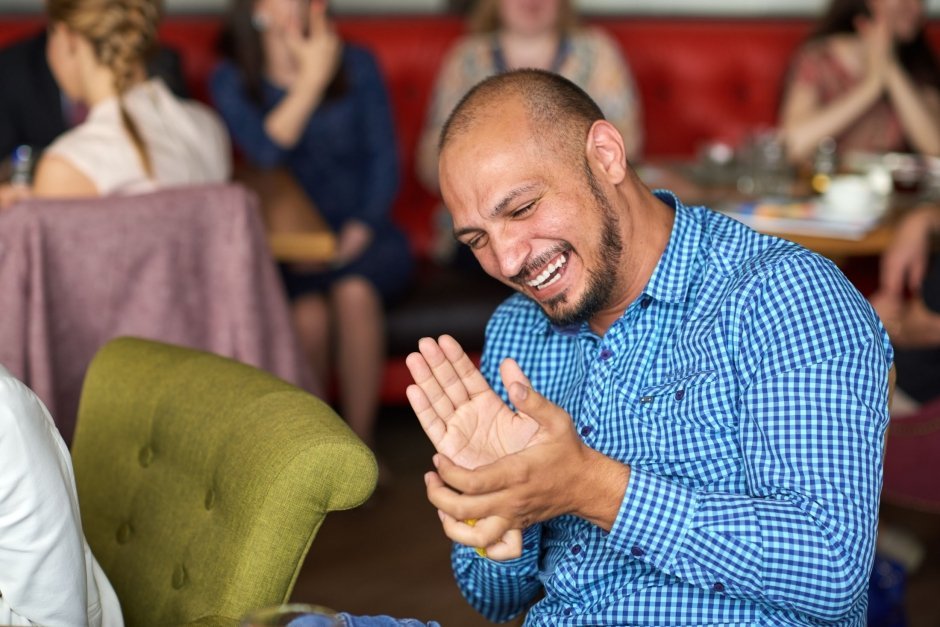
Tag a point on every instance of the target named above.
point(529, 402)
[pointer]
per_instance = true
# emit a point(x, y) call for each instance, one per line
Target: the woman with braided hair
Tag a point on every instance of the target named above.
point(137, 136)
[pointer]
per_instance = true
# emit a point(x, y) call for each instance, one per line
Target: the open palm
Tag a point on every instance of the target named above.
point(461, 414)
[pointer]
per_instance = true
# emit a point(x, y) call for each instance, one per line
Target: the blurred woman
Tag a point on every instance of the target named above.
point(867, 78)
point(137, 135)
point(908, 302)
point(294, 96)
point(510, 34)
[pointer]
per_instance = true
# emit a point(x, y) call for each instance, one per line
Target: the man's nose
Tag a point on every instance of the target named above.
point(512, 252)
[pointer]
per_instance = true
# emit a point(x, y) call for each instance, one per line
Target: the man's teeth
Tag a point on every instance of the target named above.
point(539, 282)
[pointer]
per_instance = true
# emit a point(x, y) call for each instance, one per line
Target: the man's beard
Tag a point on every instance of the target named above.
point(601, 281)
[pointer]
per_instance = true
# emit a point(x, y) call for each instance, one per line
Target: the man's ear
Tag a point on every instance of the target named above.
point(605, 148)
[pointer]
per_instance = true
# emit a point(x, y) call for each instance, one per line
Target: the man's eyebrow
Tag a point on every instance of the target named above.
point(508, 198)
point(498, 208)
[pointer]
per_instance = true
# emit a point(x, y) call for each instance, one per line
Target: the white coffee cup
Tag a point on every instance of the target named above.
point(850, 197)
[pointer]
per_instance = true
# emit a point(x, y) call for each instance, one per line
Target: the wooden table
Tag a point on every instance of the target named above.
point(675, 176)
point(296, 230)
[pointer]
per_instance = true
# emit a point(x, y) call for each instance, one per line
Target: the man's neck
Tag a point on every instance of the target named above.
point(650, 221)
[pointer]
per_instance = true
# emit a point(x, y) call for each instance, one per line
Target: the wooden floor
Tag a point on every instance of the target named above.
point(391, 557)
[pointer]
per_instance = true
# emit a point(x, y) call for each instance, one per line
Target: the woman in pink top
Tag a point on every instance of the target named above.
point(868, 79)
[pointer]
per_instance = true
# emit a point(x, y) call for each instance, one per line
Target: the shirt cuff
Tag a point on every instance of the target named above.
point(654, 519)
point(531, 538)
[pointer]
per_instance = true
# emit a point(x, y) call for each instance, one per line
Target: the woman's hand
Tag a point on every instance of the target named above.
point(904, 262)
point(316, 51)
point(12, 194)
point(876, 34)
point(353, 240)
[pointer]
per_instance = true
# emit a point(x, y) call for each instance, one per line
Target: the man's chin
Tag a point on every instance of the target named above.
point(560, 313)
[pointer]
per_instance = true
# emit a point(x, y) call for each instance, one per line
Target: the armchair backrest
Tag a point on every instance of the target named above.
point(203, 481)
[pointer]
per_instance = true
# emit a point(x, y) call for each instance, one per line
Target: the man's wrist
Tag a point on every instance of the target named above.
point(600, 489)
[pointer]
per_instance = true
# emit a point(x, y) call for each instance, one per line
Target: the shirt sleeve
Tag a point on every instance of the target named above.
point(812, 362)
point(244, 117)
point(42, 568)
point(378, 140)
point(500, 591)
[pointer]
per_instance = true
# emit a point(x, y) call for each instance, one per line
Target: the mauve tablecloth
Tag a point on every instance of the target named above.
point(188, 266)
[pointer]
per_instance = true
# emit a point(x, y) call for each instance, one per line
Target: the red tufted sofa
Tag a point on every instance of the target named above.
point(699, 79)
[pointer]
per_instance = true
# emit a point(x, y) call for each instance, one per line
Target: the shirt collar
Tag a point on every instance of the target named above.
point(673, 276)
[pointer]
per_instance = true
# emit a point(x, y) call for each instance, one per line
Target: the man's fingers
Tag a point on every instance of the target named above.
point(462, 506)
point(424, 376)
point(443, 372)
point(457, 527)
point(508, 547)
point(469, 374)
point(485, 532)
point(483, 480)
point(431, 422)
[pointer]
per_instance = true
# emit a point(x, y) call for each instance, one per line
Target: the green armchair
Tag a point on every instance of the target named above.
point(203, 481)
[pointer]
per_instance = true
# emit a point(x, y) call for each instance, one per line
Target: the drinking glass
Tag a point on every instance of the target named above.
point(281, 615)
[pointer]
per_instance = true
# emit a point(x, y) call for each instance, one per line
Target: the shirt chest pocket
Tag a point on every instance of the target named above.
point(691, 423)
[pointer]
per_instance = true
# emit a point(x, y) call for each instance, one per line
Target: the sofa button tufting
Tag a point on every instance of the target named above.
point(145, 456)
point(124, 533)
point(179, 577)
point(210, 499)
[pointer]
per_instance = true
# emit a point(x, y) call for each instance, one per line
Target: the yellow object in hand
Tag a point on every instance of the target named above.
point(480, 551)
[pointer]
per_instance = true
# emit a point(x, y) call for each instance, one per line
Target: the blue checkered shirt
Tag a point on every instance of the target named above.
point(746, 387)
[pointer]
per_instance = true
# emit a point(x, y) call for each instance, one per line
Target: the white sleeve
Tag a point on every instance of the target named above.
point(44, 560)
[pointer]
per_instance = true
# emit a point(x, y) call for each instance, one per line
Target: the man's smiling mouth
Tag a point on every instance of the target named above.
point(549, 275)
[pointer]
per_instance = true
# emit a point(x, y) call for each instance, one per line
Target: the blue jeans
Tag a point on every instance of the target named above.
point(359, 621)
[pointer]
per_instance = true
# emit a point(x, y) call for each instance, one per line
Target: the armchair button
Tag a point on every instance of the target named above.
point(210, 499)
point(124, 533)
point(145, 456)
point(179, 577)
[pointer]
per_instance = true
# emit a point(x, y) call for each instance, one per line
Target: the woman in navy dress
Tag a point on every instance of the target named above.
point(294, 96)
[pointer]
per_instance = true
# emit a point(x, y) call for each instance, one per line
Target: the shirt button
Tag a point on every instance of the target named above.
point(646, 302)
point(637, 552)
point(586, 431)
point(680, 394)
point(568, 611)
point(606, 354)
point(718, 587)
point(646, 399)
point(576, 549)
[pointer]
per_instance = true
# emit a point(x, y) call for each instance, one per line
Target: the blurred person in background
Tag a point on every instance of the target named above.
point(296, 97)
point(137, 135)
point(541, 34)
point(34, 111)
point(908, 302)
point(512, 34)
point(867, 78)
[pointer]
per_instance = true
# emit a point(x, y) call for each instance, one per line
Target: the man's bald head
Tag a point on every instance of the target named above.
point(559, 111)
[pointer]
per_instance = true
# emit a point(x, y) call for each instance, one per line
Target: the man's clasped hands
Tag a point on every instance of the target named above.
point(498, 470)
